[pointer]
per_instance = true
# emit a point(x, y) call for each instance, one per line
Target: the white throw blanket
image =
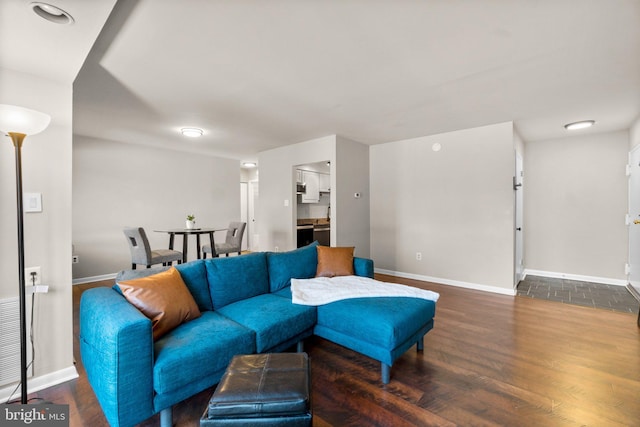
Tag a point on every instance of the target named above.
point(323, 290)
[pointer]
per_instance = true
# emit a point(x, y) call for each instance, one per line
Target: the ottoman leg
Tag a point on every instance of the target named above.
point(166, 417)
point(386, 373)
point(300, 346)
point(420, 344)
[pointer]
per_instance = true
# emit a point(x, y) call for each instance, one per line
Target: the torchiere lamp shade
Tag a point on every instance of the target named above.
point(14, 119)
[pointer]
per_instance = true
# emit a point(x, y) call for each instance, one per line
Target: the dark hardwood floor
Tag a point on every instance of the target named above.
point(490, 360)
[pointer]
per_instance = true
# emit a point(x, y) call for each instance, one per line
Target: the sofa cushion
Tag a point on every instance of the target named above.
point(274, 319)
point(237, 278)
point(336, 261)
point(198, 349)
point(393, 319)
point(194, 274)
point(299, 263)
point(163, 298)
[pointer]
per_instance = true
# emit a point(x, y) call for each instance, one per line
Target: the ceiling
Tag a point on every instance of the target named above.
point(255, 74)
point(35, 46)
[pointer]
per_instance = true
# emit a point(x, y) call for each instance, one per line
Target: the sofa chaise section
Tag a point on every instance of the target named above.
point(382, 328)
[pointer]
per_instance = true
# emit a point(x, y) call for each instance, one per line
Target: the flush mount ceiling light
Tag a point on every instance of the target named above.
point(51, 13)
point(580, 125)
point(249, 164)
point(192, 132)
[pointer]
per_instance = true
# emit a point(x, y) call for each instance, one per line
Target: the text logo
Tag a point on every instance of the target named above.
point(43, 415)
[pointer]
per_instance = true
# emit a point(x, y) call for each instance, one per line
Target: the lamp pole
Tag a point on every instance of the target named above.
point(17, 139)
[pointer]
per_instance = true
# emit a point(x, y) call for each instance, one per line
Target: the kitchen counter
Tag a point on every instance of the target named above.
point(313, 221)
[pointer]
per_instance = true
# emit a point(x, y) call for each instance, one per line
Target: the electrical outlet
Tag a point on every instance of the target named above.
point(30, 280)
point(75, 259)
point(277, 249)
point(418, 256)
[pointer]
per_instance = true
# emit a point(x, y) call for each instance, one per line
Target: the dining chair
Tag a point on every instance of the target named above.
point(141, 252)
point(232, 243)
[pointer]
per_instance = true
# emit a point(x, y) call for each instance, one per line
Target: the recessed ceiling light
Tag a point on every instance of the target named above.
point(580, 125)
point(249, 164)
point(192, 132)
point(51, 13)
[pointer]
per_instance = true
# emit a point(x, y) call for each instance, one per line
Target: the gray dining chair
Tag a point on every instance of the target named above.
point(141, 252)
point(232, 243)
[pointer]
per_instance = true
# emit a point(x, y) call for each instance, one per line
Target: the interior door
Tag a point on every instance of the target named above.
point(252, 226)
point(518, 186)
point(244, 211)
point(634, 218)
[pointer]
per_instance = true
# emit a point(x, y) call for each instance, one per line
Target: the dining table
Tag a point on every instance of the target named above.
point(185, 233)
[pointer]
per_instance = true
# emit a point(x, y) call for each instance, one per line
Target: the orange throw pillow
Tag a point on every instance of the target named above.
point(163, 298)
point(335, 261)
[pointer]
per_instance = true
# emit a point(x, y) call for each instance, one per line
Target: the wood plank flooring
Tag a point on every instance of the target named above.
point(491, 360)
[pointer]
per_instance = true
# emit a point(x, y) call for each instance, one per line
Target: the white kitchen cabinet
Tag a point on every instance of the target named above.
point(325, 182)
point(299, 176)
point(312, 183)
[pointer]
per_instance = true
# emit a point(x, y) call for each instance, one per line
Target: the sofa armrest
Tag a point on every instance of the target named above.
point(116, 345)
point(363, 267)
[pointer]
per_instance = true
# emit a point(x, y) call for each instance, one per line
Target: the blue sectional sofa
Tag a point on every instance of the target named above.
point(245, 305)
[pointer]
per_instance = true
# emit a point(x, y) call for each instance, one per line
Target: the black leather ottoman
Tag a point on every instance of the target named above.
point(262, 390)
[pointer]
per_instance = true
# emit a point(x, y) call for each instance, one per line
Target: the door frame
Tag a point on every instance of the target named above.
point(518, 187)
point(633, 196)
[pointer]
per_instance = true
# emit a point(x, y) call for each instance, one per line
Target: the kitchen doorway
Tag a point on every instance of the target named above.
point(313, 203)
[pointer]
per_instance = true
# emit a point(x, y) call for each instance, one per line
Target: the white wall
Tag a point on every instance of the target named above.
point(634, 134)
point(46, 163)
point(349, 173)
point(277, 184)
point(575, 205)
point(351, 214)
point(455, 206)
point(117, 185)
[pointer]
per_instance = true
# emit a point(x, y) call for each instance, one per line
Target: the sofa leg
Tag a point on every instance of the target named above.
point(166, 417)
point(420, 344)
point(386, 373)
point(300, 346)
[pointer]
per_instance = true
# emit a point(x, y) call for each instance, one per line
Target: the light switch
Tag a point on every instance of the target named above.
point(32, 202)
point(286, 202)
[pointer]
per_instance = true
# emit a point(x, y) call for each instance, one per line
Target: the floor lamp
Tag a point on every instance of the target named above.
point(17, 123)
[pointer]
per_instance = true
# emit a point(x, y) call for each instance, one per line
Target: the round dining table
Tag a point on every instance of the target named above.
point(185, 233)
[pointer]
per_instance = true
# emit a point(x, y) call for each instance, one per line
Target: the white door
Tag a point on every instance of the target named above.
point(252, 226)
point(244, 211)
point(518, 185)
point(634, 218)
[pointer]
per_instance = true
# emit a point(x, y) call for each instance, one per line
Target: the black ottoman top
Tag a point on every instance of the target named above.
point(260, 385)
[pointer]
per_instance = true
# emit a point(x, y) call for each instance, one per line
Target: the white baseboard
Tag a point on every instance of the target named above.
point(83, 280)
point(460, 284)
point(39, 383)
point(578, 277)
